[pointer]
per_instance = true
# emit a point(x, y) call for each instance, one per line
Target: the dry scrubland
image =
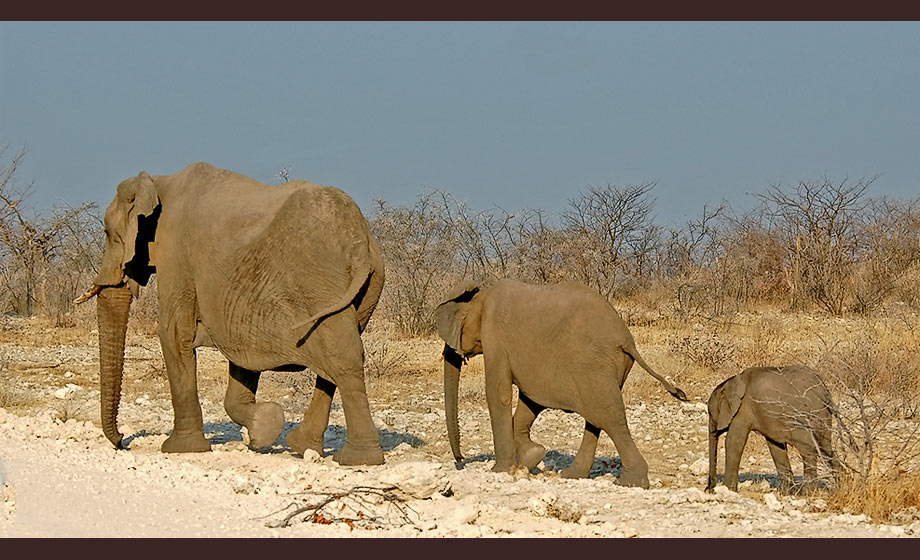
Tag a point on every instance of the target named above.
point(63, 478)
point(822, 272)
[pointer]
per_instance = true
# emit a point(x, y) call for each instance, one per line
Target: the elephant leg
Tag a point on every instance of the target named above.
point(177, 334)
point(809, 455)
point(611, 417)
point(336, 349)
point(735, 441)
point(264, 421)
point(498, 398)
point(783, 467)
point(529, 453)
point(827, 452)
point(309, 435)
point(584, 458)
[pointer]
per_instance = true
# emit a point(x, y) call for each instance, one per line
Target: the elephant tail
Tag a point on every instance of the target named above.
point(358, 281)
point(676, 392)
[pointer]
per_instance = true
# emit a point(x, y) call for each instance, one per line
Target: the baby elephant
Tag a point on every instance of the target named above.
point(786, 405)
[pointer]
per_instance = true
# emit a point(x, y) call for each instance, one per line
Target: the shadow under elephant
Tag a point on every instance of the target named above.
point(222, 433)
point(554, 461)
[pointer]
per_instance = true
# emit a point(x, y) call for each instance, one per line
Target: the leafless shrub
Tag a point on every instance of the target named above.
point(610, 233)
point(818, 222)
point(419, 248)
point(382, 356)
point(43, 257)
point(704, 349)
point(889, 251)
point(876, 384)
point(765, 345)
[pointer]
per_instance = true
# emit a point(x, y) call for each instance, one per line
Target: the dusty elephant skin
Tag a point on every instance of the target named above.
point(787, 405)
point(564, 346)
point(275, 277)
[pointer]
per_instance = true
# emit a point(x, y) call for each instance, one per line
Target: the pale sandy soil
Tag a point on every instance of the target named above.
point(61, 478)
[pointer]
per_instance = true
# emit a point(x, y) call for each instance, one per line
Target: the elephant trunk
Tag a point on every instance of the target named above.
point(713, 457)
point(452, 364)
point(112, 307)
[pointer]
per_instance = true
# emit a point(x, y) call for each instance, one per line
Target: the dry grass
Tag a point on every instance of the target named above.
point(880, 497)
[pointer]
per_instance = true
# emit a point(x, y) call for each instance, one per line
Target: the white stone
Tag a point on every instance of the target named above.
point(725, 493)
point(700, 466)
point(694, 406)
point(311, 456)
point(772, 502)
point(417, 479)
point(464, 513)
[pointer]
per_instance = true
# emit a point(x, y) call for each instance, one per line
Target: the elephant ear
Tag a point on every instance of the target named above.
point(141, 201)
point(451, 313)
point(135, 201)
point(729, 400)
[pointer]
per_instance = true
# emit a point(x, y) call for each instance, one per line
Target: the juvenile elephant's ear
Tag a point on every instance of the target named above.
point(729, 400)
point(451, 312)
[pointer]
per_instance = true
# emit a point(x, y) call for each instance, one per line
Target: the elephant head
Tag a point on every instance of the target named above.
point(459, 320)
point(130, 222)
point(724, 403)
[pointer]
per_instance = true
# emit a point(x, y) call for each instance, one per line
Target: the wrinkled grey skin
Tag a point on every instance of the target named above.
point(564, 346)
point(275, 277)
point(788, 406)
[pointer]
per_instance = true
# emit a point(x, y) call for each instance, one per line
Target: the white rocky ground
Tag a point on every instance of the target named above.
point(61, 478)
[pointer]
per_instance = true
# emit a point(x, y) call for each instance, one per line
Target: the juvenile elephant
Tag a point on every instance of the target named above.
point(564, 346)
point(275, 277)
point(787, 405)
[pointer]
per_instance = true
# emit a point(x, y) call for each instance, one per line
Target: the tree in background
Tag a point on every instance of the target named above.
point(34, 250)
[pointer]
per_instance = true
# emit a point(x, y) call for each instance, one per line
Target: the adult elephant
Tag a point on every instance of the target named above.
point(276, 277)
point(564, 346)
point(787, 405)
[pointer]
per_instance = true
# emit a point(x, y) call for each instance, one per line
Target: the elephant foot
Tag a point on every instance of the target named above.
point(502, 466)
point(266, 425)
point(531, 454)
point(575, 471)
point(354, 455)
point(634, 479)
point(299, 441)
point(186, 443)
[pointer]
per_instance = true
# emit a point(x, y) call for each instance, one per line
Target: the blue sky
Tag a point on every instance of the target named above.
point(514, 114)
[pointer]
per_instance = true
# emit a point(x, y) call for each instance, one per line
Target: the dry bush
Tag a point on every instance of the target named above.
point(704, 349)
point(383, 357)
point(881, 497)
point(764, 345)
point(418, 249)
point(611, 235)
point(875, 382)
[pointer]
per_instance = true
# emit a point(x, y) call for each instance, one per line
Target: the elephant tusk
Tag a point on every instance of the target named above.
point(89, 294)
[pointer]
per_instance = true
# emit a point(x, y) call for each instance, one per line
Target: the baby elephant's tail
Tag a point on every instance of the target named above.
point(676, 392)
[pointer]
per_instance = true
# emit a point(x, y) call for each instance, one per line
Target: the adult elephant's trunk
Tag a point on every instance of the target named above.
point(452, 364)
point(112, 307)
